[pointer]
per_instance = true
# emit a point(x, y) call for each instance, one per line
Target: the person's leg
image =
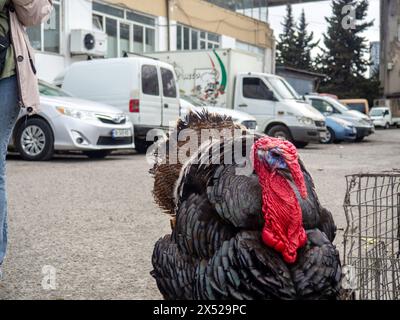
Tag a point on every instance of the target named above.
point(9, 111)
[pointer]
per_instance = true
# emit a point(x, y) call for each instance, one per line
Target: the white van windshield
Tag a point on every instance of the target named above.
point(283, 89)
point(376, 112)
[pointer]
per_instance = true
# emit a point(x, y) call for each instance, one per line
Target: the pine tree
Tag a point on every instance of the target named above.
point(304, 45)
point(343, 60)
point(286, 47)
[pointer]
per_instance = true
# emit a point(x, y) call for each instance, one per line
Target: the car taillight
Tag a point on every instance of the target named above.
point(134, 106)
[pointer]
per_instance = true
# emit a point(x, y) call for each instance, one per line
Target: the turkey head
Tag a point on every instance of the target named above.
point(277, 165)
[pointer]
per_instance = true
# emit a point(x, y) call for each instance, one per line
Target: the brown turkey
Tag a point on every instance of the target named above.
point(261, 234)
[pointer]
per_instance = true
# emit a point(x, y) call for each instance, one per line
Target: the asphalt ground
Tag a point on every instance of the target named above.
point(84, 229)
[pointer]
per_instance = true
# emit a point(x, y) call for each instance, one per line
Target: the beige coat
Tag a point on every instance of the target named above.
point(26, 13)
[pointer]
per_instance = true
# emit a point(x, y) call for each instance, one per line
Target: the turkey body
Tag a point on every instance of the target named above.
point(215, 250)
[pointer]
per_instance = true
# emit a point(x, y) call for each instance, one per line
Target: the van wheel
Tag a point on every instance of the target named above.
point(280, 132)
point(97, 154)
point(142, 145)
point(300, 145)
point(387, 126)
point(34, 140)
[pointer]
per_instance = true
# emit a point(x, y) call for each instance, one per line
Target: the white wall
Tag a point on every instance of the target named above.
point(228, 42)
point(162, 32)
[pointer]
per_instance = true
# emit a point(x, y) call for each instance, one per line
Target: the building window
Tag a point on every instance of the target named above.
point(112, 40)
point(193, 39)
point(47, 37)
point(127, 31)
point(250, 48)
point(256, 9)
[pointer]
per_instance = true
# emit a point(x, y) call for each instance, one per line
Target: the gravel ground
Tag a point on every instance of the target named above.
point(95, 222)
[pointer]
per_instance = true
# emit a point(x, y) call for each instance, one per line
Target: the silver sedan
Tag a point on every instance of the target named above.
point(65, 123)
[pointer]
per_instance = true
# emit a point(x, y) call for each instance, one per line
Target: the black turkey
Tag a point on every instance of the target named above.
point(239, 233)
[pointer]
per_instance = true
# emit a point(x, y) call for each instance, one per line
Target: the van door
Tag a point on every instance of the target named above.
point(170, 98)
point(255, 97)
point(150, 103)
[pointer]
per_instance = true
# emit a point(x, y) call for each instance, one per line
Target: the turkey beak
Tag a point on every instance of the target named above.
point(298, 178)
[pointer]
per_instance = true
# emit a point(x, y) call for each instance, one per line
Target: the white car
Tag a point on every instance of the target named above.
point(65, 123)
point(193, 103)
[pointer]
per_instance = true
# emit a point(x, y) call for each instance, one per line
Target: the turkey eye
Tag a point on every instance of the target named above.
point(275, 154)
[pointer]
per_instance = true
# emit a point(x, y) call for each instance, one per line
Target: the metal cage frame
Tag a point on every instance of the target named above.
point(372, 236)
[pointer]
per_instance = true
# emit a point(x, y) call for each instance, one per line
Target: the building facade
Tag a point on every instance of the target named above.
point(390, 48)
point(150, 26)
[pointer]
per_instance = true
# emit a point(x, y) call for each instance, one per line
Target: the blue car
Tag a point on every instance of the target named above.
point(332, 107)
point(339, 130)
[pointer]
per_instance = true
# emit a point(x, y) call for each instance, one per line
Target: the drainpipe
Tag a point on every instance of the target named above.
point(168, 3)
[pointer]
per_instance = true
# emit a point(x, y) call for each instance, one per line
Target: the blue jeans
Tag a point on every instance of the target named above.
point(9, 111)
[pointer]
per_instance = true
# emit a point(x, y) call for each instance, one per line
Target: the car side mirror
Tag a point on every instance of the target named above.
point(386, 113)
point(329, 110)
point(270, 95)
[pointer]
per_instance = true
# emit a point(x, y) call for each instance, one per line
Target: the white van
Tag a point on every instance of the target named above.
point(144, 88)
point(237, 80)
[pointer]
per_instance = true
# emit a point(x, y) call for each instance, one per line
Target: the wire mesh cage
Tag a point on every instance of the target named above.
point(371, 239)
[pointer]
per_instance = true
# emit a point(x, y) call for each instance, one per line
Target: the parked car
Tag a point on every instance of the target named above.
point(143, 88)
point(339, 130)
point(65, 123)
point(329, 106)
point(194, 103)
point(383, 117)
point(356, 104)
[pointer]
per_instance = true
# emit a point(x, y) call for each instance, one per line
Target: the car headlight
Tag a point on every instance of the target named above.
point(77, 114)
point(306, 121)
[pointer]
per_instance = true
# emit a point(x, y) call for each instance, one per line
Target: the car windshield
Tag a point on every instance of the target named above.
point(376, 112)
point(336, 104)
point(197, 102)
point(48, 90)
point(284, 90)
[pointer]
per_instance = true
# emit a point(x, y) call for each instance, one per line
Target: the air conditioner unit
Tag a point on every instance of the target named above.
point(91, 43)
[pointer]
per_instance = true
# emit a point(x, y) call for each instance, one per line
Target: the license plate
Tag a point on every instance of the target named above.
point(121, 133)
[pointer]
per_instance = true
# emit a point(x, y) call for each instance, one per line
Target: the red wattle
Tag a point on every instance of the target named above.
point(283, 229)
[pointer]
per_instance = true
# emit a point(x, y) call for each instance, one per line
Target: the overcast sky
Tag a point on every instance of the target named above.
point(315, 13)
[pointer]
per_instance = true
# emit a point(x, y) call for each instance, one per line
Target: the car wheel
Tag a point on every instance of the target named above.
point(329, 137)
point(97, 154)
point(280, 132)
point(359, 139)
point(387, 126)
point(34, 140)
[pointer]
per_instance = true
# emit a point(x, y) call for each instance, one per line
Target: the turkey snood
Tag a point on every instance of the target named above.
point(283, 229)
